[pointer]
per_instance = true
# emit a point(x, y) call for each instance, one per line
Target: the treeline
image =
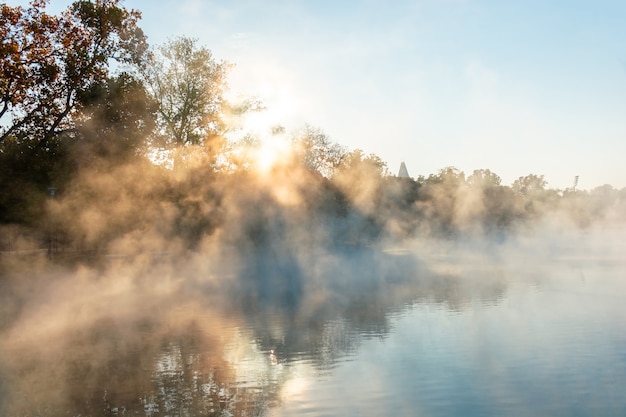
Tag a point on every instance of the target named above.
point(147, 154)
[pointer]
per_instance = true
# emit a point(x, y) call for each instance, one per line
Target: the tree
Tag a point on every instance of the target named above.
point(318, 152)
point(117, 117)
point(529, 185)
point(187, 84)
point(483, 178)
point(535, 198)
point(498, 203)
point(49, 67)
point(450, 177)
point(442, 199)
point(48, 62)
point(366, 165)
point(360, 178)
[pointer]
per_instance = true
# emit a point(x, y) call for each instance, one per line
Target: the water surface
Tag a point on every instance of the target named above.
point(431, 329)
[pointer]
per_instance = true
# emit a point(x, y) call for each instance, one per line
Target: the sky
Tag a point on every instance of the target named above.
point(517, 87)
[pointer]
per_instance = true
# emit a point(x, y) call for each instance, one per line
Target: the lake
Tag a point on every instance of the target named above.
point(524, 327)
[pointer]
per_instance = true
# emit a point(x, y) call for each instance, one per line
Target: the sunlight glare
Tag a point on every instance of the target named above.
point(296, 386)
point(272, 151)
point(266, 125)
point(278, 111)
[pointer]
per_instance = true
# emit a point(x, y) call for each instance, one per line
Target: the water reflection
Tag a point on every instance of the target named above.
point(86, 343)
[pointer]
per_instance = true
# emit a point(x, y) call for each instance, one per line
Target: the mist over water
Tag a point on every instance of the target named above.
point(281, 292)
point(285, 323)
point(167, 250)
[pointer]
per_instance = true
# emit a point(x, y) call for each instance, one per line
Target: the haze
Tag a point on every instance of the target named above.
point(519, 88)
point(179, 236)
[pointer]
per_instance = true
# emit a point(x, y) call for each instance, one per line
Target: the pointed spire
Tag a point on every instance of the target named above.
point(404, 173)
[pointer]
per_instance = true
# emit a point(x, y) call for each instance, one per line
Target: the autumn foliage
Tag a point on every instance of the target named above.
point(146, 153)
point(49, 63)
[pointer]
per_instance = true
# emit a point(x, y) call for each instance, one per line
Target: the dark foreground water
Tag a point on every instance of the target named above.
point(426, 330)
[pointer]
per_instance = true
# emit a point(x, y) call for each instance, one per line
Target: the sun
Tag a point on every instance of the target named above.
point(273, 150)
point(266, 126)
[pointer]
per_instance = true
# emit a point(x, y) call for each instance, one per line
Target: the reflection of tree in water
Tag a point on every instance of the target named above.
point(172, 353)
point(354, 297)
point(157, 361)
point(183, 383)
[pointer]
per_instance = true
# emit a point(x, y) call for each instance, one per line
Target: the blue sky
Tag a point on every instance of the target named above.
point(517, 87)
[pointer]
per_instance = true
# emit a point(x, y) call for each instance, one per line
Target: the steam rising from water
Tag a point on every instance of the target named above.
point(189, 258)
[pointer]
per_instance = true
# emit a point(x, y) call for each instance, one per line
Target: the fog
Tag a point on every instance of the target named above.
point(156, 272)
point(166, 250)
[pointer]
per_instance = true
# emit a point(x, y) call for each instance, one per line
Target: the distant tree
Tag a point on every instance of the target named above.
point(364, 165)
point(451, 177)
point(483, 178)
point(318, 153)
point(499, 203)
point(400, 205)
point(187, 83)
point(603, 200)
point(360, 177)
point(530, 184)
point(536, 199)
point(440, 201)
